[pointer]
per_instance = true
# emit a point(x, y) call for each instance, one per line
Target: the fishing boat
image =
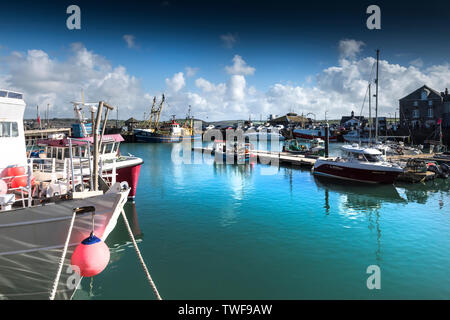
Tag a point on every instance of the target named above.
point(358, 164)
point(232, 151)
point(33, 226)
point(307, 147)
point(167, 133)
point(310, 134)
point(114, 166)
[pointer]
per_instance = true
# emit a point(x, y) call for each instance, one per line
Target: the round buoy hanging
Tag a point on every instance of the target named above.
point(91, 256)
point(18, 182)
point(16, 171)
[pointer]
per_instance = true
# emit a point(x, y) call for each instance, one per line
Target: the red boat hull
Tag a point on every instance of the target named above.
point(131, 176)
point(311, 137)
point(370, 176)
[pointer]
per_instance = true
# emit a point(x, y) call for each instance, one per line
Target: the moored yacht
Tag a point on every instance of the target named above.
point(359, 164)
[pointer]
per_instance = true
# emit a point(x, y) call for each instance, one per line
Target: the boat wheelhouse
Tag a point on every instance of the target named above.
point(114, 167)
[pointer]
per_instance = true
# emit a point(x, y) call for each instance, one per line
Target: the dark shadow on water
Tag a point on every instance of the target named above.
point(119, 236)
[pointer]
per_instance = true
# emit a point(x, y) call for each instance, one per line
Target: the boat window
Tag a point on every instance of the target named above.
point(66, 153)
point(14, 95)
point(59, 154)
point(9, 129)
point(373, 157)
point(3, 93)
point(108, 147)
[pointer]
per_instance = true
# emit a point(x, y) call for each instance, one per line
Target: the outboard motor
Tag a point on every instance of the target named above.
point(445, 168)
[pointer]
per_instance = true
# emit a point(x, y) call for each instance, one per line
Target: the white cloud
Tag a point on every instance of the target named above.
point(417, 63)
point(228, 40)
point(46, 80)
point(338, 89)
point(349, 48)
point(236, 87)
point(239, 67)
point(176, 83)
point(130, 40)
point(190, 72)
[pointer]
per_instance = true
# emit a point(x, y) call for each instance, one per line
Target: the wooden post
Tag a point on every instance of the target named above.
point(96, 144)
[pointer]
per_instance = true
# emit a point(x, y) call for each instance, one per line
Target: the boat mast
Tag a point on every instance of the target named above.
point(370, 117)
point(376, 99)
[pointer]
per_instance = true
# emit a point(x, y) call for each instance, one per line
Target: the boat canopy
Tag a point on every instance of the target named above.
point(360, 150)
point(65, 142)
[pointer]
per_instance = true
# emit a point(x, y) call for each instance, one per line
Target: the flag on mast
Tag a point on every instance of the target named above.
point(38, 117)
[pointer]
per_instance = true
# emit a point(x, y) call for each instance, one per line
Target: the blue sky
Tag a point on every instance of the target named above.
point(286, 42)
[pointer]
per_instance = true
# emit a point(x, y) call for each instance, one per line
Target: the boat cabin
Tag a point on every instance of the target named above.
point(355, 152)
point(59, 148)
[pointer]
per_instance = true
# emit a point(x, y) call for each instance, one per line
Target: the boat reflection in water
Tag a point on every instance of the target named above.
point(361, 196)
point(421, 192)
point(360, 199)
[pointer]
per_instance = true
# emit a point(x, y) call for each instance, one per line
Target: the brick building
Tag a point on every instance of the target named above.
point(424, 107)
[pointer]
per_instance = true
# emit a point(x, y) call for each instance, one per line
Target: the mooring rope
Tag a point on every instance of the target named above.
point(147, 273)
point(63, 256)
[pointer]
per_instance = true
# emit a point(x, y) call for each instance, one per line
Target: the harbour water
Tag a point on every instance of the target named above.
point(210, 231)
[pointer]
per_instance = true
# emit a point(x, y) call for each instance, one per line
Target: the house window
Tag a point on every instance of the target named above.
point(424, 95)
point(430, 102)
point(430, 112)
point(415, 113)
point(416, 103)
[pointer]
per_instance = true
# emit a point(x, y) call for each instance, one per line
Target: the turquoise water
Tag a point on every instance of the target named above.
point(245, 232)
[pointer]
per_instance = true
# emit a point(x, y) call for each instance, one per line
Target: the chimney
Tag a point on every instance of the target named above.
point(446, 91)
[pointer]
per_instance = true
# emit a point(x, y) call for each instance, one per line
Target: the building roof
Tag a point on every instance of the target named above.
point(290, 118)
point(417, 94)
point(131, 120)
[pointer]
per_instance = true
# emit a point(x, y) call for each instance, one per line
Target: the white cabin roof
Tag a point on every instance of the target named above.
point(360, 150)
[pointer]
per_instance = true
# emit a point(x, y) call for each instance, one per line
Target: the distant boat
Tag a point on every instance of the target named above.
point(239, 152)
point(312, 147)
point(355, 136)
point(310, 134)
point(168, 133)
point(359, 164)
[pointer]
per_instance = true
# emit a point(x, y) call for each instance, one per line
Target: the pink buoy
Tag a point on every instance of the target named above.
point(3, 187)
point(91, 256)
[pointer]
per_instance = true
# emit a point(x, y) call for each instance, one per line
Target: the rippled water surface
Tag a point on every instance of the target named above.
point(210, 231)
